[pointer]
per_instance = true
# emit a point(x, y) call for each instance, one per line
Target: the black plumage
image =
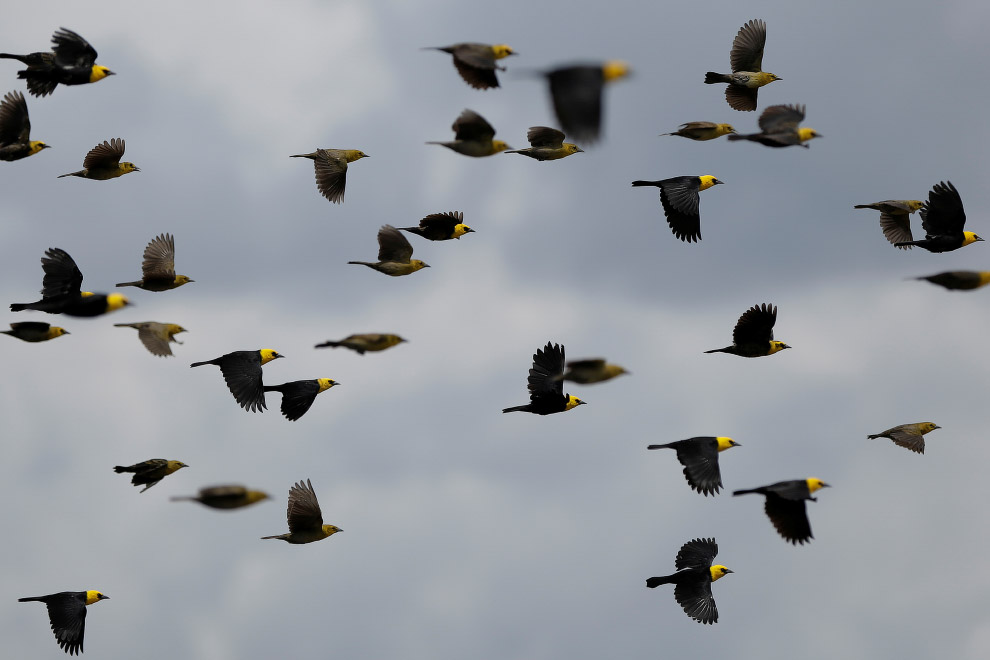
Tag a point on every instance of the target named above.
point(546, 388)
point(699, 456)
point(693, 579)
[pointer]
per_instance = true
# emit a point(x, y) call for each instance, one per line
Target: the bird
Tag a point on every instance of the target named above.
point(15, 129)
point(67, 615)
point(365, 342)
point(158, 267)
point(103, 162)
point(699, 456)
point(779, 128)
point(34, 331)
point(150, 472)
point(547, 144)
point(943, 218)
point(231, 496)
point(477, 62)
point(895, 218)
point(304, 517)
point(441, 226)
point(702, 130)
point(960, 280)
point(299, 395)
point(394, 254)
point(909, 436)
point(753, 334)
point(61, 294)
point(746, 59)
point(576, 94)
point(473, 136)
point(693, 579)
point(155, 336)
point(679, 197)
point(594, 370)
point(72, 61)
point(331, 170)
point(546, 391)
point(785, 506)
point(242, 372)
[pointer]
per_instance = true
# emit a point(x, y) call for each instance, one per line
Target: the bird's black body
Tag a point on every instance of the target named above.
point(438, 226)
point(67, 615)
point(297, 397)
point(753, 333)
point(699, 456)
point(546, 390)
point(242, 372)
point(70, 63)
point(693, 580)
point(785, 508)
point(943, 219)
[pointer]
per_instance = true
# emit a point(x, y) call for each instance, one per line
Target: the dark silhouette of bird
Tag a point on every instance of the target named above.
point(785, 506)
point(699, 456)
point(943, 219)
point(67, 615)
point(753, 334)
point(693, 579)
point(72, 61)
point(546, 389)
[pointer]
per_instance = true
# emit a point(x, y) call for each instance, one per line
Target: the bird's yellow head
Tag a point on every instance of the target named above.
point(718, 571)
point(499, 145)
point(815, 484)
point(267, 355)
point(613, 370)
point(253, 496)
point(330, 530)
point(127, 167)
point(94, 597)
point(461, 229)
point(116, 301)
point(970, 237)
point(571, 148)
point(724, 129)
point(726, 443)
point(914, 204)
point(99, 73)
point(56, 331)
point(805, 134)
point(615, 69)
point(502, 50)
point(172, 329)
point(326, 383)
point(927, 427)
point(765, 78)
point(776, 346)
point(392, 340)
point(351, 155)
point(183, 279)
point(707, 181)
point(573, 402)
point(172, 466)
point(417, 264)
point(34, 146)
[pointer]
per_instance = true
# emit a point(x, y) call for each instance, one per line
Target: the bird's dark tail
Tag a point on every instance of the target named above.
point(636, 184)
point(747, 491)
point(658, 446)
point(30, 598)
point(120, 468)
point(655, 582)
point(711, 78)
point(515, 408)
point(18, 307)
point(718, 350)
point(907, 243)
point(873, 437)
point(331, 344)
point(200, 364)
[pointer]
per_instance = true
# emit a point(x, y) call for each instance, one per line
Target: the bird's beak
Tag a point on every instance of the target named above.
point(578, 149)
point(137, 169)
point(824, 485)
point(426, 265)
point(729, 570)
point(110, 73)
point(978, 238)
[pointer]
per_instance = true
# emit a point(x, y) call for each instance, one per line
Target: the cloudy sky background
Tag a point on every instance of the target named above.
point(469, 533)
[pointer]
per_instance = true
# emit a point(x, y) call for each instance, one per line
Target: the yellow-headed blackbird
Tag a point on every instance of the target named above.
point(785, 506)
point(158, 267)
point(943, 218)
point(547, 144)
point(895, 219)
point(67, 614)
point(441, 226)
point(779, 128)
point(34, 331)
point(394, 254)
point(304, 516)
point(960, 280)
point(15, 129)
point(753, 334)
point(365, 342)
point(242, 372)
point(60, 290)
point(103, 162)
point(224, 497)
point(746, 59)
point(150, 472)
point(594, 370)
point(909, 436)
point(331, 170)
point(576, 92)
point(71, 62)
point(477, 62)
point(299, 395)
point(156, 336)
point(546, 390)
point(693, 579)
point(473, 136)
point(680, 198)
point(699, 456)
point(702, 130)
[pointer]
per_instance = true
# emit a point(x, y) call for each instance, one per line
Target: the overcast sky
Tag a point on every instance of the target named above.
point(469, 533)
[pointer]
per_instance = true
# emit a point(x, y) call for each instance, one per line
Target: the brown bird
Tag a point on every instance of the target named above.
point(746, 58)
point(155, 336)
point(394, 254)
point(909, 436)
point(895, 219)
point(331, 170)
point(15, 129)
point(224, 497)
point(150, 472)
point(702, 130)
point(304, 517)
point(365, 342)
point(103, 162)
point(477, 62)
point(473, 136)
point(158, 267)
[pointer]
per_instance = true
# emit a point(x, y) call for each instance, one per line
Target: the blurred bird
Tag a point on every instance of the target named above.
point(473, 136)
point(576, 92)
point(594, 370)
point(394, 254)
point(746, 59)
point(693, 579)
point(753, 334)
point(242, 372)
point(224, 497)
point(895, 218)
point(156, 336)
point(547, 144)
point(60, 290)
point(699, 456)
point(476, 62)
point(440, 226)
point(702, 130)
point(103, 162)
point(943, 218)
point(779, 128)
point(15, 129)
point(72, 62)
point(299, 395)
point(785, 506)
point(158, 267)
point(33, 331)
point(680, 200)
point(331, 170)
point(909, 436)
point(546, 391)
point(150, 472)
point(304, 516)
point(960, 280)
point(67, 615)
point(366, 342)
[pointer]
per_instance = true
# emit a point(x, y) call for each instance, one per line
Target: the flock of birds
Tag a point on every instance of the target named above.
point(576, 93)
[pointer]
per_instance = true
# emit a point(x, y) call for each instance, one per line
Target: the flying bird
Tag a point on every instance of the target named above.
point(34, 331)
point(304, 517)
point(702, 130)
point(593, 370)
point(576, 93)
point(394, 254)
point(225, 497)
point(699, 456)
point(779, 128)
point(158, 267)
point(473, 136)
point(242, 372)
point(693, 579)
point(680, 198)
point(331, 170)
point(67, 615)
point(895, 219)
point(72, 61)
point(477, 63)
point(943, 219)
point(61, 290)
point(103, 162)
point(150, 472)
point(546, 389)
point(753, 334)
point(909, 436)
point(15, 129)
point(365, 342)
point(547, 144)
point(299, 395)
point(155, 336)
point(785, 506)
point(746, 59)
point(960, 280)
point(440, 226)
